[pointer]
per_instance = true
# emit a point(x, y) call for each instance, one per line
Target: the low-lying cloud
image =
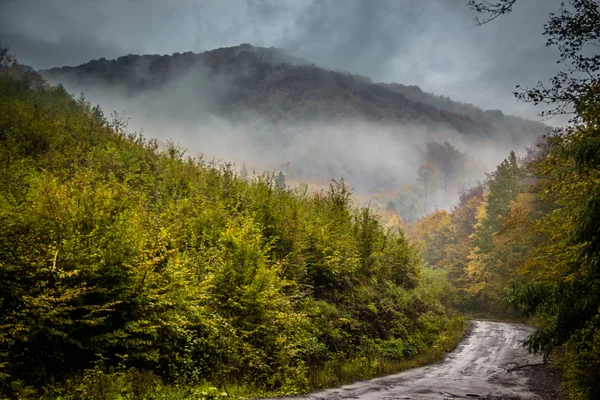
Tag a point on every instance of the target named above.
point(373, 157)
point(434, 44)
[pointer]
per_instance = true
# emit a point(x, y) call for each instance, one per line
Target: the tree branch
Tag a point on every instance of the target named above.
point(492, 9)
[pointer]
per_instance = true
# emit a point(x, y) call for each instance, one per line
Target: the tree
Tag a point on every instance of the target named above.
point(564, 291)
point(6, 58)
point(464, 219)
point(434, 234)
point(442, 165)
point(448, 160)
point(488, 268)
point(280, 180)
point(492, 10)
point(464, 215)
point(575, 32)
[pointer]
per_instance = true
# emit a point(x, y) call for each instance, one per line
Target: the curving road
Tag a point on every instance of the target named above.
point(478, 368)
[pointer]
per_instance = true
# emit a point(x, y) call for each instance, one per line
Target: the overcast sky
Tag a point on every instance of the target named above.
point(431, 43)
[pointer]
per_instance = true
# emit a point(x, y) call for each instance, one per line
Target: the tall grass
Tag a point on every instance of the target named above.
point(347, 371)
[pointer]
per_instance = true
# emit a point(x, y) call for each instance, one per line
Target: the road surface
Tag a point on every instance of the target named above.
point(480, 367)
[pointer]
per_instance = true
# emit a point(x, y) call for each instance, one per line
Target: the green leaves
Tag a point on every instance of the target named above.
point(178, 269)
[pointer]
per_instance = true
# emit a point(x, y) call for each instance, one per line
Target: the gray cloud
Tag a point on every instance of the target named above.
point(431, 43)
point(68, 50)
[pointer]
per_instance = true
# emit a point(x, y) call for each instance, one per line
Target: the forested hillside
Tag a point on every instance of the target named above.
point(281, 227)
point(246, 79)
point(132, 271)
point(514, 127)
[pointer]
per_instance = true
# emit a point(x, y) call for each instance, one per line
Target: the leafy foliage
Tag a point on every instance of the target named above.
point(124, 265)
point(536, 241)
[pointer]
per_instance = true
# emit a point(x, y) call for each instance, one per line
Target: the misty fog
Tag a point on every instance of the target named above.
point(374, 157)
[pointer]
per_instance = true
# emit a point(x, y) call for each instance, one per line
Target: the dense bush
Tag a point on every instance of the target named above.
point(136, 263)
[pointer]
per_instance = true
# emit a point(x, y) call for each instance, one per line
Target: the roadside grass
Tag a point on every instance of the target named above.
point(99, 384)
point(348, 371)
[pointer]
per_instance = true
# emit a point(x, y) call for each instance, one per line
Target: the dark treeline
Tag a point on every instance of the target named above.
point(130, 271)
point(512, 128)
point(268, 81)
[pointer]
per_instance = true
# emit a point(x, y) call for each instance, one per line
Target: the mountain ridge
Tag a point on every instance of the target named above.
point(279, 86)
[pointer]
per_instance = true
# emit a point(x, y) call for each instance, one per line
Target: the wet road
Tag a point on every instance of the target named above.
point(478, 368)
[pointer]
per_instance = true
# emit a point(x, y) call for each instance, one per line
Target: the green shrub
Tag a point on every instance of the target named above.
point(174, 272)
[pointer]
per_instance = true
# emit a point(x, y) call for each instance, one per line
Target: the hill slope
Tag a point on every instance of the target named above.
point(281, 87)
point(123, 266)
point(263, 108)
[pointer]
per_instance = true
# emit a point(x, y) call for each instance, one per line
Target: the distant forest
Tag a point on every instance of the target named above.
point(282, 87)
